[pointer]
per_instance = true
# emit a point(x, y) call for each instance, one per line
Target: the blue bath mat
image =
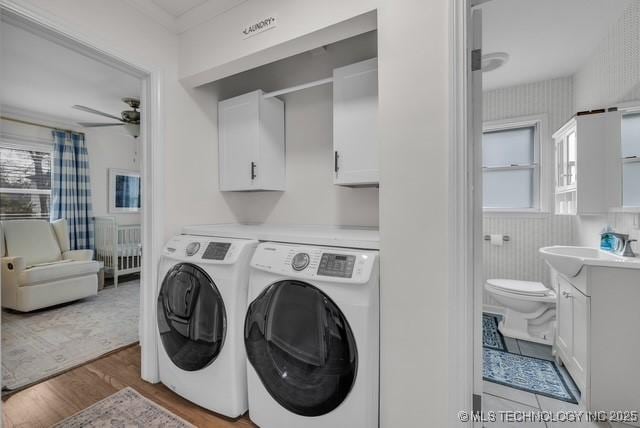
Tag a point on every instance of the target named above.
point(491, 336)
point(526, 373)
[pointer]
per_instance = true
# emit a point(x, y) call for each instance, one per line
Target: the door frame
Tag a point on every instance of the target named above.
point(151, 138)
point(465, 251)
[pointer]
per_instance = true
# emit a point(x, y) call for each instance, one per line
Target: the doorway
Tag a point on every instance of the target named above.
point(529, 82)
point(147, 155)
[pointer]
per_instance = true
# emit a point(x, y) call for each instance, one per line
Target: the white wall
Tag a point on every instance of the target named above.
point(220, 42)
point(519, 258)
point(611, 76)
point(413, 60)
point(110, 148)
point(310, 196)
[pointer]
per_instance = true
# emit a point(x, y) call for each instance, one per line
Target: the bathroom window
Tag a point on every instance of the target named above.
point(511, 173)
point(631, 160)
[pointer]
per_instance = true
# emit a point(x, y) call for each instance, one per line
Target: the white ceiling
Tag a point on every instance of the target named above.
point(180, 15)
point(544, 38)
point(177, 8)
point(45, 78)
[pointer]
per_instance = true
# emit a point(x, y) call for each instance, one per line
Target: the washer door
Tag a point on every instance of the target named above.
point(191, 317)
point(302, 348)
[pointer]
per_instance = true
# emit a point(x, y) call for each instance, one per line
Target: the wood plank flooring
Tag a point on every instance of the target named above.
point(55, 399)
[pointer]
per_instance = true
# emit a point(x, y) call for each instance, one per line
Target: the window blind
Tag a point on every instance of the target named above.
point(25, 183)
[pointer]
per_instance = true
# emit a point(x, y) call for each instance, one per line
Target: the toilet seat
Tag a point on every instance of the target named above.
point(524, 288)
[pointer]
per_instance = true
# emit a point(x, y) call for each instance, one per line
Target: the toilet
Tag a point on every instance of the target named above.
point(530, 309)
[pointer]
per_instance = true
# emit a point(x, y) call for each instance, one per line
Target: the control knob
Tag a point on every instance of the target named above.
point(192, 248)
point(300, 261)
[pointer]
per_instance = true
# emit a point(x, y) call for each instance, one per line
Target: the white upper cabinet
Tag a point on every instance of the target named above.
point(355, 110)
point(251, 143)
point(588, 167)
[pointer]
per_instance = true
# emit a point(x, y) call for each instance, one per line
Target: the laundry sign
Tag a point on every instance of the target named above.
point(260, 26)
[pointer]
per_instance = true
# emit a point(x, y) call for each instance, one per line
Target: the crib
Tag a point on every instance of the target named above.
point(118, 246)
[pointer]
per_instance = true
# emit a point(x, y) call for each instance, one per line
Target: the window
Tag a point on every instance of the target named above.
point(510, 168)
point(25, 182)
point(631, 160)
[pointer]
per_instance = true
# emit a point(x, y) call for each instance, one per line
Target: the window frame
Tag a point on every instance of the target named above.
point(19, 143)
point(626, 109)
point(540, 191)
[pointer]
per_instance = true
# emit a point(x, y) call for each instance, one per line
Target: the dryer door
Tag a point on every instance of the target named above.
point(191, 317)
point(302, 347)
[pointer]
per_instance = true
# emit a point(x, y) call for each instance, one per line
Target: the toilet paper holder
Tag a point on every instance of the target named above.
point(505, 238)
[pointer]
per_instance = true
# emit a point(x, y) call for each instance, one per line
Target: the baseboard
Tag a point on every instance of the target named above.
point(493, 309)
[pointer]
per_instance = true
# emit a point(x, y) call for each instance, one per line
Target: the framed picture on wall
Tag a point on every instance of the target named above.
point(124, 191)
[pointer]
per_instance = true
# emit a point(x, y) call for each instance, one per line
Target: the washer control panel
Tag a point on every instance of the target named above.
point(338, 265)
point(329, 264)
point(300, 261)
point(199, 249)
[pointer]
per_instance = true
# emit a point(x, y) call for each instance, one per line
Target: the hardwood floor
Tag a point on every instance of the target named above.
point(55, 399)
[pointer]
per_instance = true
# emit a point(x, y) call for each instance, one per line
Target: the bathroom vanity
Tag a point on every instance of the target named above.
point(598, 324)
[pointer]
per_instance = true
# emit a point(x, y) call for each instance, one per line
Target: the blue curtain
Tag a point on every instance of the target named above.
point(71, 188)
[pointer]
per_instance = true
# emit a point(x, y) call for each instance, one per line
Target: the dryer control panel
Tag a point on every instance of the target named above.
point(322, 263)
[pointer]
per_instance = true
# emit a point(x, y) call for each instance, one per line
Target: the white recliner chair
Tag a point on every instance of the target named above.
point(39, 269)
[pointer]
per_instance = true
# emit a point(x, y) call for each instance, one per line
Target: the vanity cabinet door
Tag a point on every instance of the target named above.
point(564, 339)
point(580, 320)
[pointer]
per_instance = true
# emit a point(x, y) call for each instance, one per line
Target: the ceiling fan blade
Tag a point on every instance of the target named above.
point(97, 125)
point(90, 110)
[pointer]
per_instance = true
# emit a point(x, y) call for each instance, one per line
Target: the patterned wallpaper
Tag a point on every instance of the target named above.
point(612, 73)
point(610, 76)
point(518, 258)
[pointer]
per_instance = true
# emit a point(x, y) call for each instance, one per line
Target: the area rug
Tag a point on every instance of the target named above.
point(125, 408)
point(491, 336)
point(43, 343)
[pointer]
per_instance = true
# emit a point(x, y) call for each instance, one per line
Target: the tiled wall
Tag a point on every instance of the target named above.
point(518, 258)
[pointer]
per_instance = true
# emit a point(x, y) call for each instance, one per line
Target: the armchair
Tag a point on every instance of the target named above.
point(39, 269)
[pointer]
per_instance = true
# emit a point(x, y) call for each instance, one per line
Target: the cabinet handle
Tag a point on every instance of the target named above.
point(335, 161)
point(566, 294)
point(253, 170)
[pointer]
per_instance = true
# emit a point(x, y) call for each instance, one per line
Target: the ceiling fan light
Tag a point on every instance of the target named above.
point(132, 129)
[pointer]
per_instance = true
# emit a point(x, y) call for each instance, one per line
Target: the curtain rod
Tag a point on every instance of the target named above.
point(25, 122)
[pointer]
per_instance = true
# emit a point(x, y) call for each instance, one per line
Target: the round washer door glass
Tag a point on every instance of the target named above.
point(191, 317)
point(302, 347)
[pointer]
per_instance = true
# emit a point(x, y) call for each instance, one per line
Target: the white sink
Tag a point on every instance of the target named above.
point(569, 260)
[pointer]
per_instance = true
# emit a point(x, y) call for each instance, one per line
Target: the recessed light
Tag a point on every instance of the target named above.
point(492, 61)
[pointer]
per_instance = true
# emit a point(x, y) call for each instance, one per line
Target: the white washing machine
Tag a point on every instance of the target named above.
point(202, 300)
point(312, 337)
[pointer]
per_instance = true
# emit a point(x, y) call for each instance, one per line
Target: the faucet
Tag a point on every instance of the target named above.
point(623, 248)
point(628, 251)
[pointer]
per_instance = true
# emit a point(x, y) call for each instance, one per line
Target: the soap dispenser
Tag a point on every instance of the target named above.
point(608, 241)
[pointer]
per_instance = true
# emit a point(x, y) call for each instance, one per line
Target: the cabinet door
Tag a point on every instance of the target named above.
point(564, 310)
point(238, 121)
point(580, 321)
point(355, 110)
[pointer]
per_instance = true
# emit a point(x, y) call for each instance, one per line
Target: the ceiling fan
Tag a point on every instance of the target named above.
point(130, 119)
